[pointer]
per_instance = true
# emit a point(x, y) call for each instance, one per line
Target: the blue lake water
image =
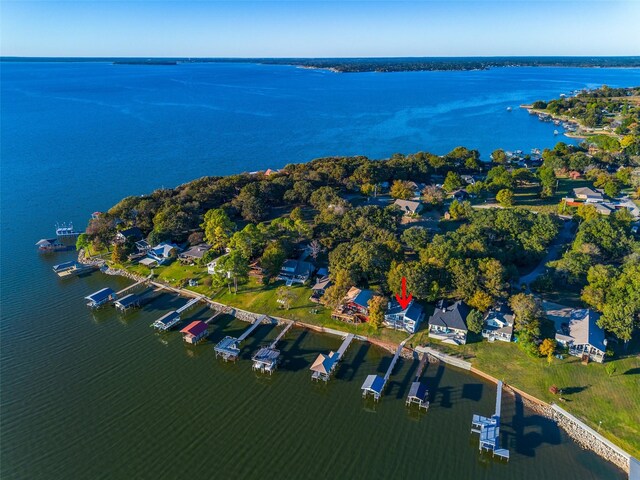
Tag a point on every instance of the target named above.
point(88, 396)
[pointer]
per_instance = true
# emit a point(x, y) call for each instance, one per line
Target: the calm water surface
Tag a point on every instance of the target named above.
point(101, 396)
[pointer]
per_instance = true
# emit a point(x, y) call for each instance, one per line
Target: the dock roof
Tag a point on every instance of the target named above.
point(324, 363)
point(195, 328)
point(418, 390)
point(127, 300)
point(373, 383)
point(167, 319)
point(100, 295)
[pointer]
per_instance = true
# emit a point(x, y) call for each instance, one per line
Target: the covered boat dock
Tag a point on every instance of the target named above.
point(229, 347)
point(374, 384)
point(266, 359)
point(418, 393)
point(128, 301)
point(489, 429)
point(324, 365)
point(167, 321)
point(100, 298)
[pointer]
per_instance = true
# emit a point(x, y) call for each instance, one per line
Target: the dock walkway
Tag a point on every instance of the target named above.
point(418, 393)
point(489, 429)
point(374, 384)
point(229, 347)
point(266, 359)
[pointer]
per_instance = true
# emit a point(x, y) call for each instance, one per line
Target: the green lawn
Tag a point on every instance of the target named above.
point(591, 393)
point(528, 196)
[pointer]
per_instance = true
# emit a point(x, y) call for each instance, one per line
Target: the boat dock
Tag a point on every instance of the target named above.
point(489, 429)
point(418, 393)
point(71, 269)
point(324, 365)
point(266, 359)
point(229, 347)
point(100, 298)
point(374, 384)
point(128, 301)
point(167, 321)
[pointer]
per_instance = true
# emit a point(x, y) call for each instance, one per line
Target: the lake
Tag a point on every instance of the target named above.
point(96, 395)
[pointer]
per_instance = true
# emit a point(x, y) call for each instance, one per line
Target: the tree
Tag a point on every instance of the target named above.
point(547, 181)
point(285, 296)
point(273, 258)
point(367, 189)
point(547, 348)
point(416, 238)
point(433, 195)
point(475, 321)
point(315, 248)
point(459, 210)
point(528, 312)
point(401, 189)
point(119, 254)
point(233, 266)
point(498, 156)
point(82, 242)
point(218, 228)
point(481, 300)
point(377, 309)
point(453, 181)
point(505, 197)
point(250, 241)
point(296, 215)
point(610, 368)
point(342, 281)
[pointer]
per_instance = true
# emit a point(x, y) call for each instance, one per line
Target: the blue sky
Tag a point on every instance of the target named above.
point(320, 28)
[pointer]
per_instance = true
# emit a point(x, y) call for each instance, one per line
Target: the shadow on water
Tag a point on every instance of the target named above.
point(401, 387)
point(442, 395)
point(348, 371)
point(472, 391)
point(294, 360)
point(529, 432)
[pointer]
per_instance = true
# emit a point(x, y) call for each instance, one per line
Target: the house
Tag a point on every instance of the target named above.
point(588, 195)
point(408, 207)
point(132, 234)
point(498, 324)
point(416, 188)
point(449, 323)
point(295, 271)
point(318, 289)
point(468, 179)
point(460, 195)
point(142, 246)
point(604, 208)
point(577, 329)
point(212, 266)
point(400, 318)
point(354, 308)
point(162, 253)
point(194, 332)
point(195, 253)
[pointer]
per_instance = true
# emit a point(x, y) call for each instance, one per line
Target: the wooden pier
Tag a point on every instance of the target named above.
point(229, 347)
point(489, 429)
point(266, 359)
point(324, 365)
point(374, 384)
point(418, 393)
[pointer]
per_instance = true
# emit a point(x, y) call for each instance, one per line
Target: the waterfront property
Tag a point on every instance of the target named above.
point(418, 392)
point(212, 266)
point(318, 289)
point(324, 365)
point(449, 323)
point(167, 321)
point(194, 332)
point(577, 329)
point(71, 269)
point(133, 234)
point(194, 254)
point(354, 308)
point(498, 324)
point(407, 319)
point(489, 429)
point(47, 245)
point(229, 347)
point(162, 253)
point(100, 298)
point(408, 207)
point(295, 271)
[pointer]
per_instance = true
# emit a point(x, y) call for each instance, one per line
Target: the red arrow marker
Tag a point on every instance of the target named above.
point(404, 300)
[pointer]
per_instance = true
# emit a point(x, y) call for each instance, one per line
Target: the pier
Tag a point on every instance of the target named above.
point(489, 429)
point(418, 393)
point(374, 384)
point(324, 365)
point(128, 301)
point(100, 298)
point(169, 320)
point(229, 347)
point(266, 359)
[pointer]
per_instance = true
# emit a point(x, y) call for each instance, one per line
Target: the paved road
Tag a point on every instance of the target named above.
point(564, 236)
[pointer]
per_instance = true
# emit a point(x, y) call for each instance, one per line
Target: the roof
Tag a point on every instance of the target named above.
point(412, 312)
point(163, 250)
point(584, 329)
point(374, 383)
point(47, 242)
point(147, 261)
point(131, 232)
point(360, 297)
point(127, 300)
point(408, 206)
point(322, 283)
point(167, 318)
point(324, 363)
point(266, 355)
point(197, 251)
point(418, 390)
point(100, 295)
point(587, 192)
point(453, 316)
point(195, 328)
point(298, 267)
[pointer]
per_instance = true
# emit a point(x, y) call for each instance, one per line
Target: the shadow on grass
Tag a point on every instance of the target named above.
point(632, 371)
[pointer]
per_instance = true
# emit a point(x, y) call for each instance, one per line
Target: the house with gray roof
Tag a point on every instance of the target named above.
point(498, 324)
point(408, 207)
point(407, 319)
point(578, 330)
point(295, 271)
point(194, 253)
point(587, 194)
point(449, 323)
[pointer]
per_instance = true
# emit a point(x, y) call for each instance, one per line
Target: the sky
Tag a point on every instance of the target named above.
point(319, 28)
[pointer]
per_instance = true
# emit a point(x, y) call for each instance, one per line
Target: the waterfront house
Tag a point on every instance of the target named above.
point(51, 245)
point(588, 195)
point(142, 246)
point(318, 289)
point(354, 308)
point(407, 319)
point(212, 266)
point(449, 323)
point(162, 253)
point(498, 324)
point(194, 254)
point(194, 332)
point(408, 207)
point(577, 329)
point(132, 234)
point(295, 271)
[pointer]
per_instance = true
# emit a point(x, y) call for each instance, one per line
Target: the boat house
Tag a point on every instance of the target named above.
point(167, 321)
point(194, 332)
point(449, 323)
point(418, 394)
point(407, 319)
point(128, 301)
point(100, 298)
point(577, 329)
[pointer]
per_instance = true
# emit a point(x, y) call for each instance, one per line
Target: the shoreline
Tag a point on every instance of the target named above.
point(579, 432)
point(581, 129)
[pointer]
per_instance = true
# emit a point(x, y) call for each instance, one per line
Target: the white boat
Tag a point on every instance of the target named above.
point(64, 230)
point(556, 132)
point(508, 109)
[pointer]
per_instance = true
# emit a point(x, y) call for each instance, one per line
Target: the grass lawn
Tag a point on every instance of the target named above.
point(528, 196)
point(591, 394)
point(259, 298)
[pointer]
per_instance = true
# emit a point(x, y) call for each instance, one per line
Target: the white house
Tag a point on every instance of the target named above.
point(295, 271)
point(498, 325)
point(449, 323)
point(578, 330)
point(400, 318)
point(162, 252)
point(212, 266)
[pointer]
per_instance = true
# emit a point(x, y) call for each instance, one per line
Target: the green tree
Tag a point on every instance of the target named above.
point(610, 368)
point(233, 267)
point(528, 312)
point(367, 189)
point(273, 258)
point(505, 197)
point(401, 189)
point(459, 210)
point(416, 238)
point(453, 181)
point(250, 241)
point(547, 349)
point(377, 309)
point(119, 254)
point(342, 281)
point(83, 242)
point(218, 228)
point(475, 321)
point(498, 156)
